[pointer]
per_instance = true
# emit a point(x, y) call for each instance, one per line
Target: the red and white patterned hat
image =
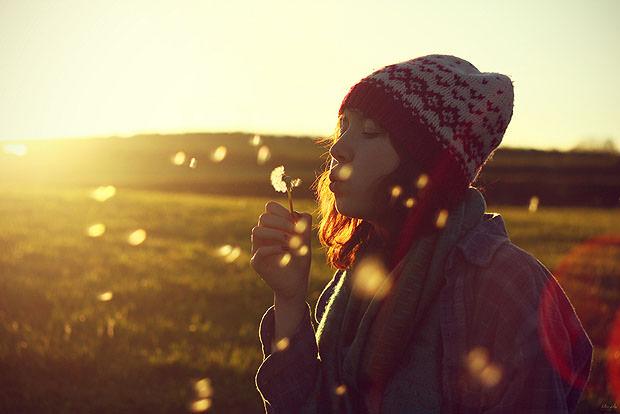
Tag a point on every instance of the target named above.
point(439, 100)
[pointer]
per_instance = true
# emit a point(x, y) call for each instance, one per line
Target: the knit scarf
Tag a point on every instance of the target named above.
point(389, 317)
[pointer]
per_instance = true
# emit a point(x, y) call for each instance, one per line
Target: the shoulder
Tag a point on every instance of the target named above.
point(326, 294)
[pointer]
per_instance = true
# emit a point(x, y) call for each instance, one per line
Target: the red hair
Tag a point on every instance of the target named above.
point(346, 238)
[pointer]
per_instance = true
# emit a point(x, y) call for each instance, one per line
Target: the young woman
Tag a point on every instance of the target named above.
point(432, 309)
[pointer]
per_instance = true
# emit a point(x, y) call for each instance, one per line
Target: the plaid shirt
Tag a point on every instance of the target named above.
point(499, 300)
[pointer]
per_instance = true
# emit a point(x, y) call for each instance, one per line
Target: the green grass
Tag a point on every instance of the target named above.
point(178, 311)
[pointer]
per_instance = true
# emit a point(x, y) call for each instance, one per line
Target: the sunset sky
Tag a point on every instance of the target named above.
point(73, 68)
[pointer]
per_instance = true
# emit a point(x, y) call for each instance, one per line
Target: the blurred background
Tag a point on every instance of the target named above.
point(136, 143)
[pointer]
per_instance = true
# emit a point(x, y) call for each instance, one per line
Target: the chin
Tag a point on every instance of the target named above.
point(344, 208)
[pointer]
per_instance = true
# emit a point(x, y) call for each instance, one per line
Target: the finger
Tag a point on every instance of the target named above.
point(264, 252)
point(278, 209)
point(263, 236)
point(276, 222)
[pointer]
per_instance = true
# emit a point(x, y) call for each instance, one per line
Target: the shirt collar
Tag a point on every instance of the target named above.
point(480, 243)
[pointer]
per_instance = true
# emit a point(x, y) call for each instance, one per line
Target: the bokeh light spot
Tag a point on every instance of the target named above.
point(136, 237)
point(178, 158)
point(193, 163)
point(285, 259)
point(410, 202)
point(533, 207)
point(105, 296)
point(103, 193)
point(422, 181)
point(95, 230)
point(442, 218)
point(345, 172)
point(219, 154)
point(263, 155)
point(256, 140)
point(370, 278)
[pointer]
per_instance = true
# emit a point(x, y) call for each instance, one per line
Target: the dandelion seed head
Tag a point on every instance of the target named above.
point(277, 179)
point(218, 154)
point(103, 193)
point(263, 155)
point(136, 237)
point(95, 230)
point(178, 158)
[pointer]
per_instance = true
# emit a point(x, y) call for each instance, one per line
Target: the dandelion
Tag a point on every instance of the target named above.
point(284, 184)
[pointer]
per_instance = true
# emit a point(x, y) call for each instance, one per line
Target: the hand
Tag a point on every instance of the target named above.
point(279, 233)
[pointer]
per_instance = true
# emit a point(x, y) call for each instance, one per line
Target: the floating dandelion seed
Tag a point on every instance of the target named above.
point(301, 225)
point(263, 155)
point(105, 296)
point(345, 172)
point(533, 207)
point(203, 388)
point(256, 140)
point(178, 158)
point(369, 276)
point(218, 154)
point(422, 181)
point(295, 242)
point(224, 250)
point(490, 375)
point(282, 344)
point(136, 237)
point(96, 230)
point(477, 360)
point(16, 149)
point(233, 255)
point(110, 327)
point(396, 191)
point(285, 259)
point(200, 405)
point(340, 390)
point(409, 202)
point(284, 184)
point(103, 193)
point(193, 162)
point(442, 217)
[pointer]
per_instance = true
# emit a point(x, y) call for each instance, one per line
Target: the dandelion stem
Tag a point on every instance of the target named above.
point(290, 200)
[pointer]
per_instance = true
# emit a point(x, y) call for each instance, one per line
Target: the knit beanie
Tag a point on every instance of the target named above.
point(438, 104)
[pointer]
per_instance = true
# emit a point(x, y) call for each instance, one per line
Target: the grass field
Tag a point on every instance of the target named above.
point(95, 324)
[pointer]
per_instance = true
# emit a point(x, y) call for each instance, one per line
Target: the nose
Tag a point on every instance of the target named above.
point(340, 152)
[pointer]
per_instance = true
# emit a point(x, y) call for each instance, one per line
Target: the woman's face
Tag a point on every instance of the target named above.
point(361, 157)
